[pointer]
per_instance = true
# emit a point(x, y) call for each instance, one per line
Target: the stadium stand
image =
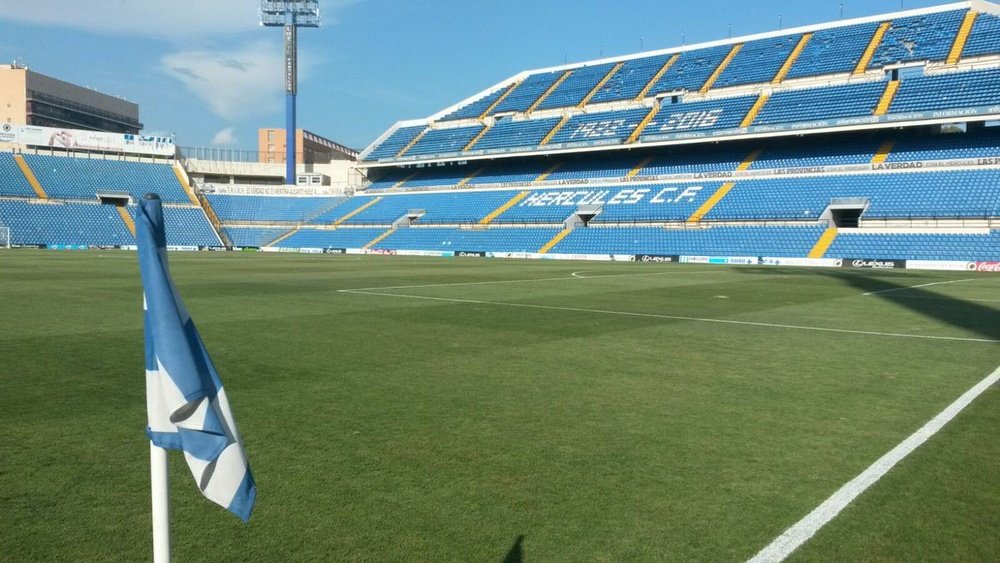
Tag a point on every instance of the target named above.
point(12, 179)
point(867, 138)
point(254, 236)
point(757, 61)
point(576, 86)
point(631, 78)
point(821, 103)
point(83, 178)
point(918, 38)
point(509, 133)
point(833, 51)
point(968, 89)
point(470, 240)
point(276, 209)
point(984, 38)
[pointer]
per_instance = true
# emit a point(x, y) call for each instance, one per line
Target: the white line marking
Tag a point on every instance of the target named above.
point(801, 531)
point(561, 278)
point(925, 298)
point(916, 286)
point(670, 317)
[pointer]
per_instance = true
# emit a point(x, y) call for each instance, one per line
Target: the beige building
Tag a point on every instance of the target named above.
point(30, 98)
point(310, 148)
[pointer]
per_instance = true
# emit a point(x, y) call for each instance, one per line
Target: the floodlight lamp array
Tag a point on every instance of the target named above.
point(305, 13)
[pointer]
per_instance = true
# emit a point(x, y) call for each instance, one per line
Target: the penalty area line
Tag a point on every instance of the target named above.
point(668, 317)
point(804, 529)
point(915, 286)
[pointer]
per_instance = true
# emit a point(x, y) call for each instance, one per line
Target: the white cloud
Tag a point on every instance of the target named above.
point(225, 138)
point(164, 19)
point(235, 84)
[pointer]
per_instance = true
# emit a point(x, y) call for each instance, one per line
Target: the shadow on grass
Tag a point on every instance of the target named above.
point(516, 552)
point(967, 315)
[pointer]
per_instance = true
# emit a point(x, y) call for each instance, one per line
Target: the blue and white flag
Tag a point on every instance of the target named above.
point(185, 401)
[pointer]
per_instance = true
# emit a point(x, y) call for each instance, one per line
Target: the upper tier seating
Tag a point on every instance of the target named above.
point(12, 180)
point(985, 37)
point(691, 70)
point(599, 128)
point(527, 92)
point(966, 89)
point(698, 117)
point(265, 208)
point(576, 86)
point(476, 108)
point(831, 51)
point(757, 61)
point(510, 134)
point(677, 79)
point(918, 38)
point(442, 141)
point(396, 142)
point(631, 78)
point(829, 102)
point(81, 178)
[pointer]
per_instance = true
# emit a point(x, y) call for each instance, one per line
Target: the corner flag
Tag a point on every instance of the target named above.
point(185, 401)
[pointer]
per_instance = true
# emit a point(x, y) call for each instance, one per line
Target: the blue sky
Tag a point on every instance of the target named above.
point(206, 72)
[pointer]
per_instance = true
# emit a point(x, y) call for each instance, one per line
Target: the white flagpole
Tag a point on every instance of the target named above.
point(161, 503)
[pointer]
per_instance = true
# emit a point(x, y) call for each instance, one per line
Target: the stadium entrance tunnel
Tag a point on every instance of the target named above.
point(844, 213)
point(118, 199)
point(582, 216)
point(410, 217)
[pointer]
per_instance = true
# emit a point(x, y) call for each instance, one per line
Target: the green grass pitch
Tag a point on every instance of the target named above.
point(602, 416)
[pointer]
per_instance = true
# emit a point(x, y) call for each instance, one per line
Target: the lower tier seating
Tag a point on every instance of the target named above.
point(93, 224)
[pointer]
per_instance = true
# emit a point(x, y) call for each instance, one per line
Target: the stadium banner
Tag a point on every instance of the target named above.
point(656, 258)
point(334, 251)
point(75, 139)
point(470, 253)
point(985, 266)
point(67, 247)
point(437, 253)
point(310, 251)
point(380, 251)
point(518, 255)
point(874, 263)
point(808, 262)
point(182, 248)
point(283, 191)
point(591, 257)
point(949, 265)
point(729, 260)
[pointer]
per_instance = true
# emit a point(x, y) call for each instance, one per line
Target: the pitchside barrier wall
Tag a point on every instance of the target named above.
point(854, 263)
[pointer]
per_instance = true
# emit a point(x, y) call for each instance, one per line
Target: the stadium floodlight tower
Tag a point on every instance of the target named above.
point(290, 14)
